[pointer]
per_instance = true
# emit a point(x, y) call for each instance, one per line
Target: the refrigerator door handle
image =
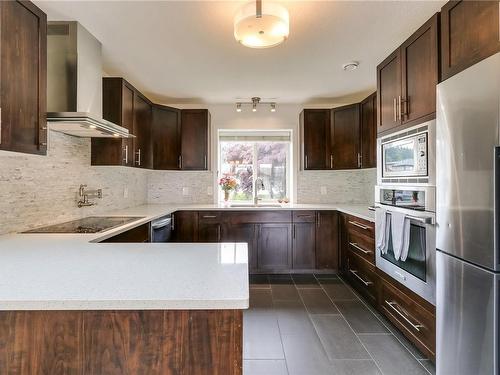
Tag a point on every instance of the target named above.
point(496, 184)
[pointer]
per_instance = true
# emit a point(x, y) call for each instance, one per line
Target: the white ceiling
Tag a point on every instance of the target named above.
point(184, 51)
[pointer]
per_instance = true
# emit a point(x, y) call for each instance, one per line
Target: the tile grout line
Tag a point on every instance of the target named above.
point(343, 317)
point(386, 326)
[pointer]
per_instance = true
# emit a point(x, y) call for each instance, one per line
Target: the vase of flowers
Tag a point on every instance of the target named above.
point(227, 183)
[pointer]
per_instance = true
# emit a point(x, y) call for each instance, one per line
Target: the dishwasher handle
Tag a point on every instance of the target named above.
point(161, 223)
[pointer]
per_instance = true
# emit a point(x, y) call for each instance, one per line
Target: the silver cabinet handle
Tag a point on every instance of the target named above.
point(138, 161)
point(126, 154)
point(355, 273)
point(206, 166)
point(180, 161)
point(359, 160)
point(209, 216)
point(356, 246)
point(306, 161)
point(356, 224)
point(331, 161)
point(218, 233)
point(395, 110)
point(393, 305)
point(318, 219)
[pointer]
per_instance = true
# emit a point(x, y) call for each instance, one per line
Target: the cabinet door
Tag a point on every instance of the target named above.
point(243, 233)
point(369, 131)
point(327, 240)
point(469, 34)
point(274, 247)
point(117, 107)
point(388, 92)
point(315, 142)
point(166, 138)
point(304, 246)
point(419, 64)
point(185, 226)
point(142, 131)
point(194, 139)
point(345, 137)
point(23, 77)
point(209, 232)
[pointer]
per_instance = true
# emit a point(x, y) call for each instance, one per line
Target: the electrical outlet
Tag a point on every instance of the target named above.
point(125, 192)
point(323, 190)
point(185, 191)
point(210, 190)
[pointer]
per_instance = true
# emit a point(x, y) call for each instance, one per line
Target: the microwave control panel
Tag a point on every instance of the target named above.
point(422, 153)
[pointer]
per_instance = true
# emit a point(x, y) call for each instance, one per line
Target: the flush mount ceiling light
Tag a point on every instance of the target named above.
point(255, 101)
point(261, 25)
point(350, 66)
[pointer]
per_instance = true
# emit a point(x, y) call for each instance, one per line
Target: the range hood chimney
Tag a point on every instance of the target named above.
point(74, 83)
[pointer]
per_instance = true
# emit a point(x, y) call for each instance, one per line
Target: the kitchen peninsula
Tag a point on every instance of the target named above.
point(136, 308)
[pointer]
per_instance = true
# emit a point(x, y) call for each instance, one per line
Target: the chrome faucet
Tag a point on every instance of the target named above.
point(86, 194)
point(259, 185)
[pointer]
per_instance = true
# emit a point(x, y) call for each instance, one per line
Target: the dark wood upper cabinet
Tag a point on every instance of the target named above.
point(143, 153)
point(117, 107)
point(315, 139)
point(166, 137)
point(407, 79)
point(327, 240)
point(195, 128)
point(345, 137)
point(388, 91)
point(469, 33)
point(368, 109)
point(23, 77)
point(420, 73)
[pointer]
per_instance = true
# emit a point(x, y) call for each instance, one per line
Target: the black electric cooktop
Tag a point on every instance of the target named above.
point(91, 224)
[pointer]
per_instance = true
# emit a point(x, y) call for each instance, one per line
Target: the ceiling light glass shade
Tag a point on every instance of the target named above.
point(269, 30)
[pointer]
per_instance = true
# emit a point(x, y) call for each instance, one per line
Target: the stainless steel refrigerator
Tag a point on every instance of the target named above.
point(468, 221)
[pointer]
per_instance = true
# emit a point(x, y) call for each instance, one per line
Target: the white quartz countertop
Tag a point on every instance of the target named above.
point(76, 272)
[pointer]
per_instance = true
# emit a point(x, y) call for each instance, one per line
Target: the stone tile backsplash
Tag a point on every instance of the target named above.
point(40, 190)
point(356, 186)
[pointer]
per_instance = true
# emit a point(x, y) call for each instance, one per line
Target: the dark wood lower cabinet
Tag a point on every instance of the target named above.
point(138, 234)
point(185, 226)
point(274, 250)
point(303, 246)
point(327, 240)
point(243, 233)
point(153, 342)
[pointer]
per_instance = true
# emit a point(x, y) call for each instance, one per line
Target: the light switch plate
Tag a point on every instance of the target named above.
point(185, 191)
point(323, 190)
point(210, 190)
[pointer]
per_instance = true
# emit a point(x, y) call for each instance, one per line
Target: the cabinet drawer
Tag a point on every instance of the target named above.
point(417, 323)
point(209, 216)
point(256, 217)
point(304, 216)
point(363, 277)
point(358, 225)
point(362, 245)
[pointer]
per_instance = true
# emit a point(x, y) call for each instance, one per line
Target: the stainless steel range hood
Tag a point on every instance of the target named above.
point(74, 83)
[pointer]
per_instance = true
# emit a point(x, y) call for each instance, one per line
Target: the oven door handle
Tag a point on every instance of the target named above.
point(423, 220)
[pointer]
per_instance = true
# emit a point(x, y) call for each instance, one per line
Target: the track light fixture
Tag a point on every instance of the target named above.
point(255, 101)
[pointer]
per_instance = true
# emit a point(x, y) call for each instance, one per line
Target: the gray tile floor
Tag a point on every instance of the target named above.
point(317, 324)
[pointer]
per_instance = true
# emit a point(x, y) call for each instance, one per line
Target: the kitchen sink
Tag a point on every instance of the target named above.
point(262, 205)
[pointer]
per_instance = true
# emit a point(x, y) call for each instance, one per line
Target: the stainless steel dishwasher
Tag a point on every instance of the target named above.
point(161, 229)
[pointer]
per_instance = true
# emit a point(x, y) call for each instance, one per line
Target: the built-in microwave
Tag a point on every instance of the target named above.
point(407, 156)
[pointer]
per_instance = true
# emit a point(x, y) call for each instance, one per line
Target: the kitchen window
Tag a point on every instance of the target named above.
point(249, 155)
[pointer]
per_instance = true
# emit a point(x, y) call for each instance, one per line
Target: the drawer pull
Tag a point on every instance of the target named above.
point(355, 273)
point(356, 224)
point(356, 246)
point(394, 307)
point(209, 216)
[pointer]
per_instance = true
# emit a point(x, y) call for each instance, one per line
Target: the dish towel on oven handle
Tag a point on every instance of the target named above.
point(381, 230)
point(400, 230)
